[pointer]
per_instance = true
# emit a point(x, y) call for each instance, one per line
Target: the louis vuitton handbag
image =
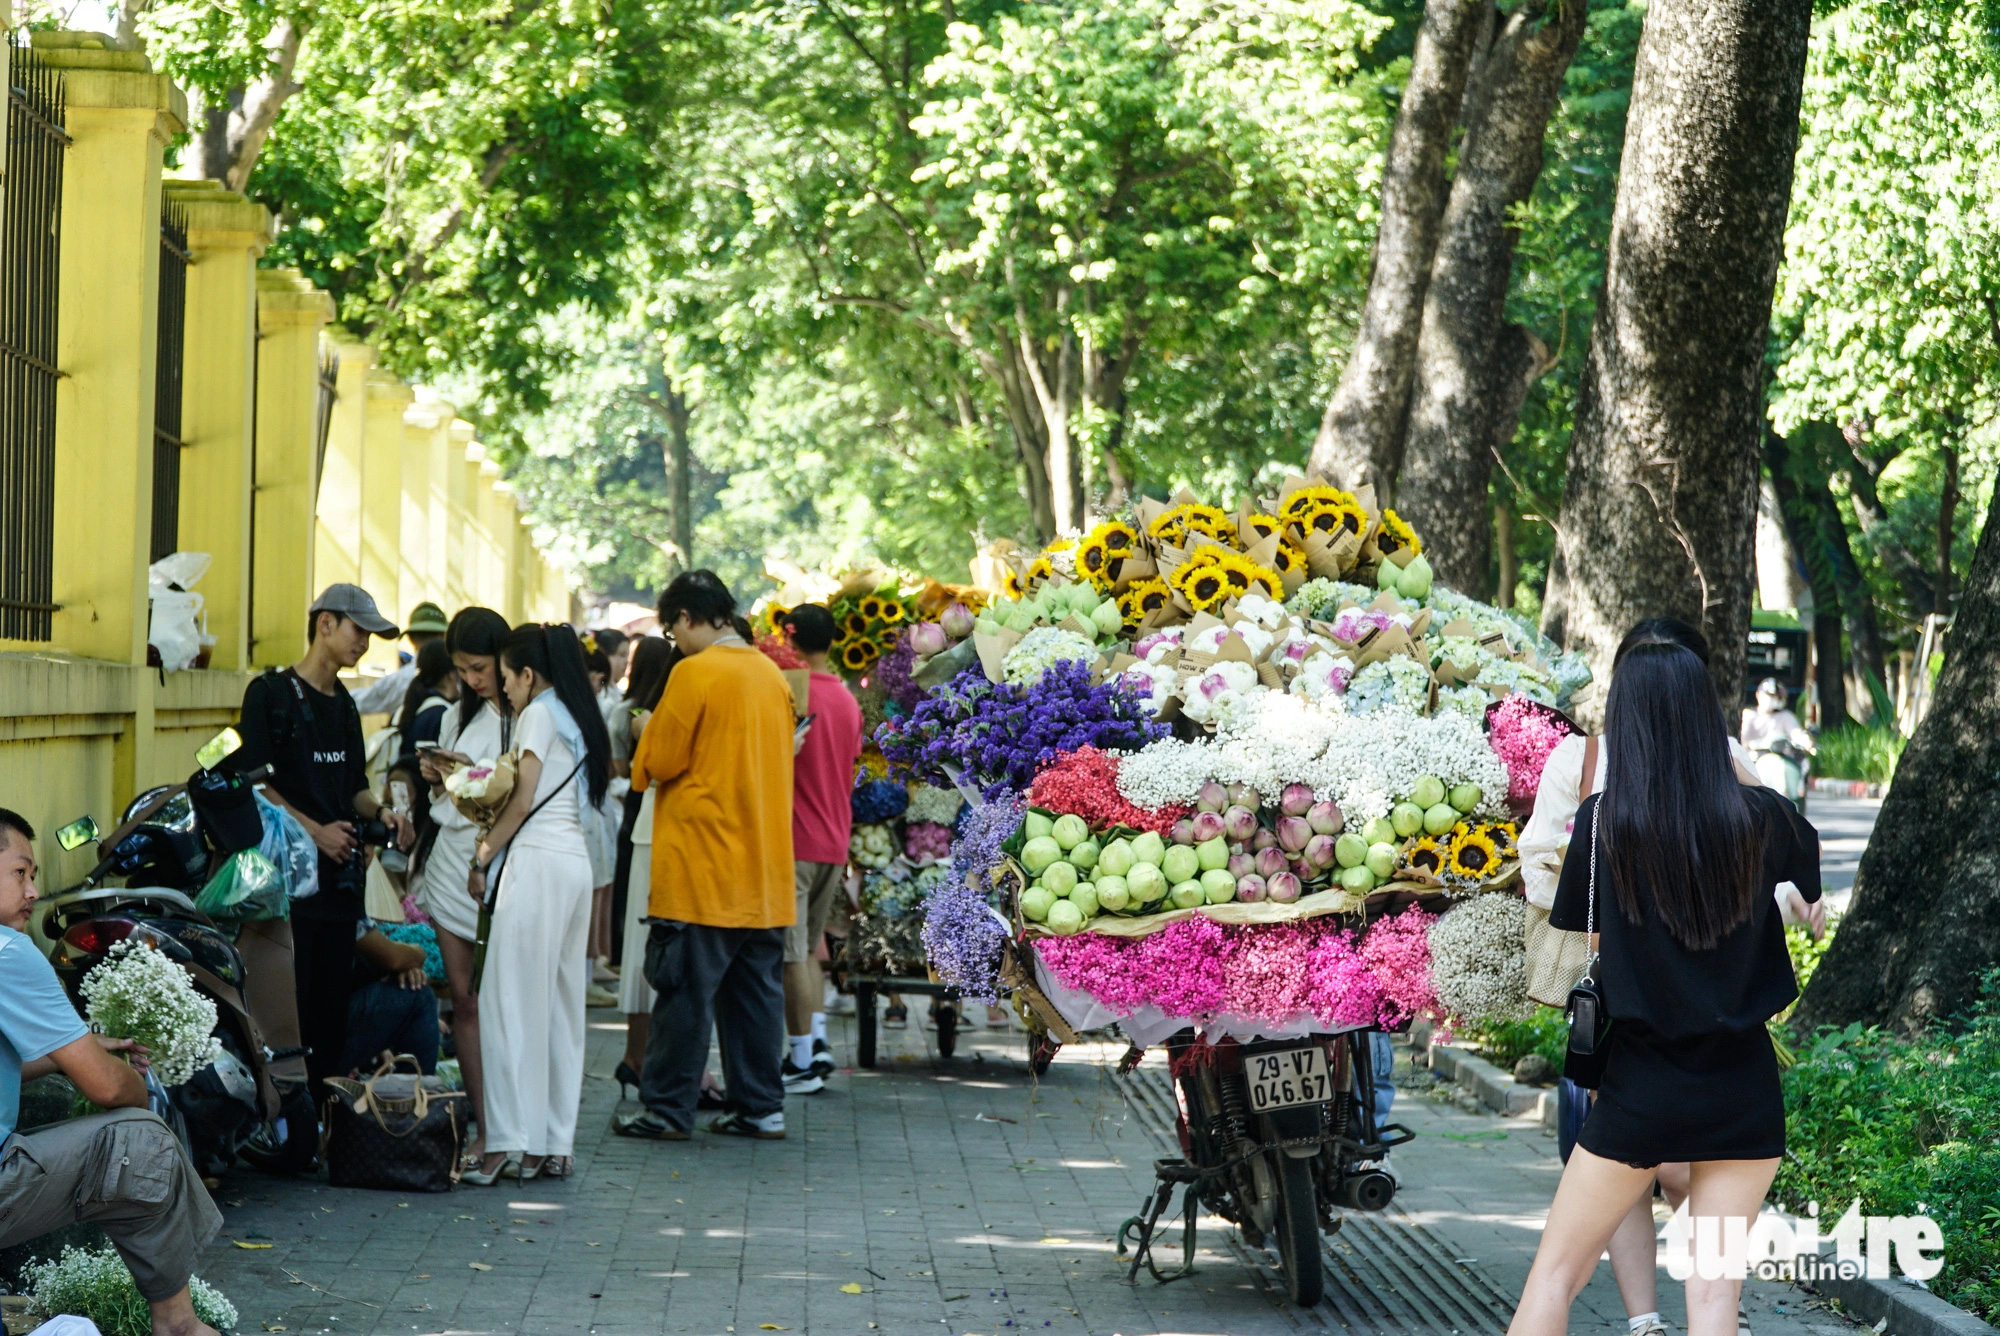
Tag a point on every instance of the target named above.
point(397, 1131)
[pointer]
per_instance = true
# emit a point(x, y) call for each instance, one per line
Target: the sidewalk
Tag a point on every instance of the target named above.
point(924, 1195)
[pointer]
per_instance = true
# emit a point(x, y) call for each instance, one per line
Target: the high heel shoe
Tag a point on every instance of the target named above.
point(625, 1076)
point(480, 1178)
point(522, 1173)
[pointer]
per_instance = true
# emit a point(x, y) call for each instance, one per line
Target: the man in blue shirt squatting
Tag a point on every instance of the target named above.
point(122, 1170)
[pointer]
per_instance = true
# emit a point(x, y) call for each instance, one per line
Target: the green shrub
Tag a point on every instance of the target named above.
point(1859, 751)
point(1506, 1042)
point(1909, 1127)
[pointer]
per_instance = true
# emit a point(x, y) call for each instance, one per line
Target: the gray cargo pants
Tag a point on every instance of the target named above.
point(731, 981)
point(122, 1171)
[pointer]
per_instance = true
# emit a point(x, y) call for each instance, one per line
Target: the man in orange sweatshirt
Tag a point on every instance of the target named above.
point(719, 748)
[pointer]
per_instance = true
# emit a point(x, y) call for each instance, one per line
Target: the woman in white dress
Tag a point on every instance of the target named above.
point(532, 993)
point(478, 728)
point(653, 659)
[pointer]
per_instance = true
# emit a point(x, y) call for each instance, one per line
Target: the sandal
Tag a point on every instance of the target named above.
point(483, 1178)
point(896, 1017)
point(559, 1166)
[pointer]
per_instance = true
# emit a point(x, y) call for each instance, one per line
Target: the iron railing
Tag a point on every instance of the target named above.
point(329, 371)
point(167, 369)
point(30, 277)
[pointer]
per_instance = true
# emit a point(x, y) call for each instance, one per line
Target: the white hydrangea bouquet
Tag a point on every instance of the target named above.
point(97, 1286)
point(138, 993)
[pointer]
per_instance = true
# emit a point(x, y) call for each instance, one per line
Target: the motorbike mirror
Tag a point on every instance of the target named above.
point(77, 833)
point(222, 745)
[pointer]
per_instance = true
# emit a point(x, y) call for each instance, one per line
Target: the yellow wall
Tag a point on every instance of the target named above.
point(404, 503)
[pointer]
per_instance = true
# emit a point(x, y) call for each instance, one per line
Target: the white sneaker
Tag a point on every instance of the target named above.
point(801, 1080)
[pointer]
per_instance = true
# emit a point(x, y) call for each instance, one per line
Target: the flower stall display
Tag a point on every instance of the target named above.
point(1238, 767)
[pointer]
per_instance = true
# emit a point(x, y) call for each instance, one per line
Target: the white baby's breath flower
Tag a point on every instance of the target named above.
point(1478, 963)
point(136, 992)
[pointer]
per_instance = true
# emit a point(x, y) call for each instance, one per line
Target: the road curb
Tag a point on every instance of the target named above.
point(1905, 1309)
point(1495, 1089)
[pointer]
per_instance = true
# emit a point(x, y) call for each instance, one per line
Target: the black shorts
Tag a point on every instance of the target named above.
point(1710, 1097)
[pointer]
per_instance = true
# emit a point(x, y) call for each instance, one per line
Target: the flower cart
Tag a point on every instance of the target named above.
point(1247, 785)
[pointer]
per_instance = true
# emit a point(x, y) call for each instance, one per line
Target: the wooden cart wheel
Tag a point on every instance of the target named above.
point(864, 1012)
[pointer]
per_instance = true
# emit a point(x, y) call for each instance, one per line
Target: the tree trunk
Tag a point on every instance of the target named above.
point(231, 134)
point(1503, 544)
point(1472, 372)
point(1912, 576)
point(1924, 924)
point(1802, 531)
point(680, 471)
point(1660, 506)
point(1947, 517)
point(1361, 435)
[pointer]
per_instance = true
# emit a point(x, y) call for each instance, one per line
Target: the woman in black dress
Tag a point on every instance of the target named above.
point(1692, 965)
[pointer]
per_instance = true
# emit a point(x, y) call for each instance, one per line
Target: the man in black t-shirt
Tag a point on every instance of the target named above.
point(302, 723)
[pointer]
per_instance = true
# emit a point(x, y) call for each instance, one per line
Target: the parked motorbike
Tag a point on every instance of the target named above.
point(168, 841)
point(1277, 1133)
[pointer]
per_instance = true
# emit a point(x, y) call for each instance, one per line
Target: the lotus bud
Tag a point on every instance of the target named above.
point(1319, 851)
point(1264, 839)
point(1272, 861)
point(1282, 889)
point(1250, 888)
point(1183, 831)
point(1241, 865)
point(1207, 826)
point(1297, 800)
point(1293, 832)
point(1240, 823)
point(1305, 871)
point(926, 639)
point(1243, 795)
point(1325, 818)
point(1213, 797)
point(956, 621)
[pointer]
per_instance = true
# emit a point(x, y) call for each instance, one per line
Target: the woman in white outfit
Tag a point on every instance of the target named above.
point(478, 728)
point(652, 659)
point(533, 987)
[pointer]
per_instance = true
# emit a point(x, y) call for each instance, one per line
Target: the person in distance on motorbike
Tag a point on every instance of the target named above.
point(1773, 735)
point(302, 723)
point(122, 1169)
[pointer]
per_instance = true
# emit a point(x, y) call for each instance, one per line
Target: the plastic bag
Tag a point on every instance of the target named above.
point(247, 886)
point(175, 625)
point(288, 847)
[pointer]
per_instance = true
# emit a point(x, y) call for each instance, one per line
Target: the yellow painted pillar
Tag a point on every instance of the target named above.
point(226, 234)
point(121, 115)
point(477, 587)
point(422, 421)
point(337, 534)
point(459, 560)
point(437, 516)
point(382, 505)
point(290, 314)
point(496, 521)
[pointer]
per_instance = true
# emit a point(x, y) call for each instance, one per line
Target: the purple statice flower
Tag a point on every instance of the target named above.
point(998, 735)
point(893, 672)
point(962, 936)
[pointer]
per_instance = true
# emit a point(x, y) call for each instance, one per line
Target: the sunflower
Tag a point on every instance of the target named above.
point(1474, 854)
point(1267, 583)
point(1425, 855)
point(871, 607)
point(893, 610)
point(1143, 597)
point(855, 624)
point(856, 655)
point(1503, 834)
point(1102, 551)
point(1257, 526)
point(1174, 525)
point(1397, 535)
point(1204, 579)
point(1012, 583)
point(1287, 560)
point(1325, 509)
point(1038, 569)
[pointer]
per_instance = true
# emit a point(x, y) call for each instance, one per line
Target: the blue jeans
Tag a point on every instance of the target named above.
point(1382, 1061)
point(384, 1015)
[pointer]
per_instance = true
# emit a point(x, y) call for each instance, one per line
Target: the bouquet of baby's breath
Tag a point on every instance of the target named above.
point(137, 993)
point(97, 1286)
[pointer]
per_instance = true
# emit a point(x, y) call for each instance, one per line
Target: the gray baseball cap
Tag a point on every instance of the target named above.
point(353, 603)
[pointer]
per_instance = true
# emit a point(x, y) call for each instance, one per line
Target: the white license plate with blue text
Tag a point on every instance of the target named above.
point(1289, 1076)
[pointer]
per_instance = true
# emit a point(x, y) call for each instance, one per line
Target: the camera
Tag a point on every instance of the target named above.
point(376, 832)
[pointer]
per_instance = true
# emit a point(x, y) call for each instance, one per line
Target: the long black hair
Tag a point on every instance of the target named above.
point(553, 651)
point(484, 632)
point(433, 666)
point(653, 657)
point(1662, 631)
point(1674, 819)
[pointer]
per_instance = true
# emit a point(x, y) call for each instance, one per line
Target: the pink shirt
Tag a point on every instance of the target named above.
point(823, 773)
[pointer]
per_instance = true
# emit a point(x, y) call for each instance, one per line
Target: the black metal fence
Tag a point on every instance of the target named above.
point(168, 365)
point(329, 370)
point(30, 241)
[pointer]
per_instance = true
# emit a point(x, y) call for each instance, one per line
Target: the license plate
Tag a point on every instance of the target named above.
point(1289, 1076)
